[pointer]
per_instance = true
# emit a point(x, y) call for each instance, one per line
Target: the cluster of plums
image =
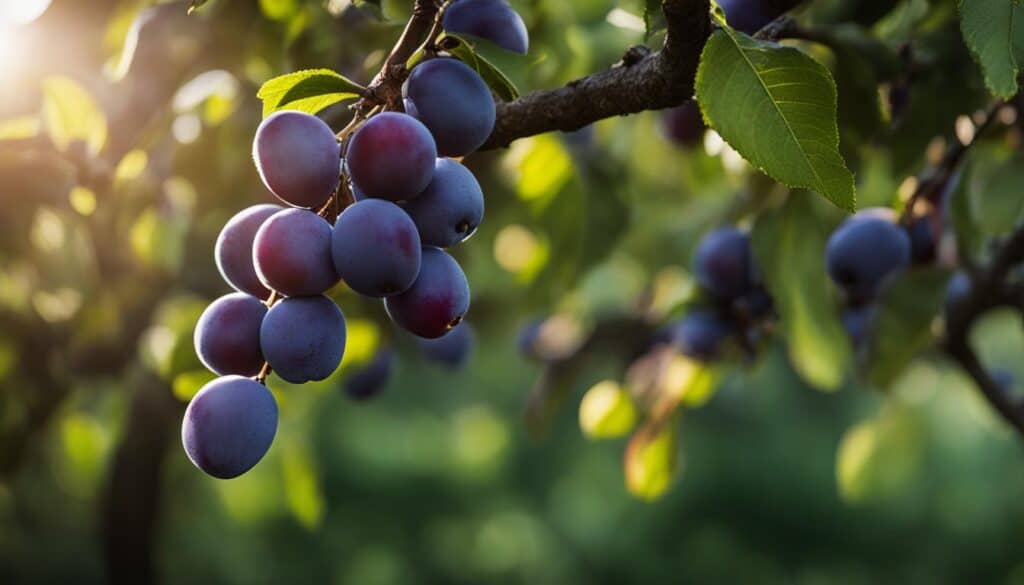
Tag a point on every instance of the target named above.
point(865, 252)
point(411, 202)
point(735, 301)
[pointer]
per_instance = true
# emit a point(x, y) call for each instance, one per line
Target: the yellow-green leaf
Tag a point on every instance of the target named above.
point(71, 113)
point(607, 411)
point(310, 91)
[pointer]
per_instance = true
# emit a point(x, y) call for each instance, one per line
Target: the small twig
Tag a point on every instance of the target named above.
point(954, 155)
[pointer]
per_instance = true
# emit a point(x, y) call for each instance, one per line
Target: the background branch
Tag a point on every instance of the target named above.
point(989, 289)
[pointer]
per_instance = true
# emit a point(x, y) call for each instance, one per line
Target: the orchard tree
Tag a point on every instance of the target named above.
point(875, 220)
point(835, 301)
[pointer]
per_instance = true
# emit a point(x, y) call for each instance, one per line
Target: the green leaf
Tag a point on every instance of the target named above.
point(469, 52)
point(899, 24)
point(302, 490)
point(652, 461)
point(281, 10)
point(994, 31)
point(309, 90)
point(70, 113)
point(903, 326)
point(607, 411)
point(878, 459)
point(654, 18)
point(777, 107)
point(994, 193)
point(790, 246)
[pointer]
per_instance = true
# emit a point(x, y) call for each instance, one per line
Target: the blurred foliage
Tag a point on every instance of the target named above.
point(125, 137)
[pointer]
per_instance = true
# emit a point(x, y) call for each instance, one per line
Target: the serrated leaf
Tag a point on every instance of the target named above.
point(903, 325)
point(70, 113)
point(467, 51)
point(790, 247)
point(994, 32)
point(777, 107)
point(310, 91)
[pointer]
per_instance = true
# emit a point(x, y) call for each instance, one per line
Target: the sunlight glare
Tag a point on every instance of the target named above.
point(21, 12)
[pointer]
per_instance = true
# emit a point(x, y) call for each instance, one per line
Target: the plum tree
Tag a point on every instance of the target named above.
point(684, 125)
point(451, 350)
point(233, 251)
point(864, 251)
point(303, 338)
point(453, 102)
point(493, 20)
point(375, 248)
point(392, 156)
point(227, 335)
point(371, 379)
point(724, 263)
point(229, 426)
point(438, 299)
point(292, 253)
point(451, 207)
point(701, 334)
point(298, 158)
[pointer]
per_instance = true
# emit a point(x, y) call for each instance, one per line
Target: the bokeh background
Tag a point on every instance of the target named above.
point(125, 134)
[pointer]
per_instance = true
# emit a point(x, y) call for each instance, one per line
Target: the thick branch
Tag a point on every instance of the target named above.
point(641, 81)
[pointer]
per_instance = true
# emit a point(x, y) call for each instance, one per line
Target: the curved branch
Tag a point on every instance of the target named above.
point(989, 289)
point(641, 81)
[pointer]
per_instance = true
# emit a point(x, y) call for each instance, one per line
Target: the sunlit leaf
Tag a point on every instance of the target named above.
point(651, 461)
point(777, 107)
point(71, 113)
point(303, 493)
point(607, 411)
point(310, 91)
point(132, 165)
point(21, 127)
point(188, 384)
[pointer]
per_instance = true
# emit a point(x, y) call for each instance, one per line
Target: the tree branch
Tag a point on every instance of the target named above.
point(641, 81)
point(988, 290)
point(386, 87)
